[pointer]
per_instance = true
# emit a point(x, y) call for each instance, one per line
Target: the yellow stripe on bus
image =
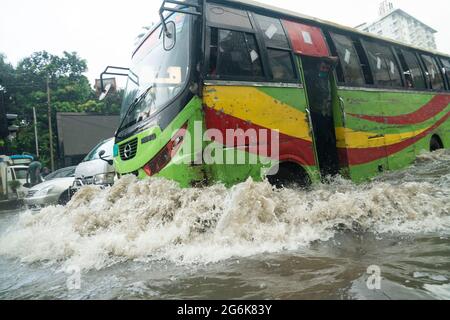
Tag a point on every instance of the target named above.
point(347, 138)
point(256, 107)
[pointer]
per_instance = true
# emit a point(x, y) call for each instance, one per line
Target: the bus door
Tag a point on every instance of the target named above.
point(318, 75)
point(309, 43)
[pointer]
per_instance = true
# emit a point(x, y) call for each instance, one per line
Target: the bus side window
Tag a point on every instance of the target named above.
point(409, 82)
point(414, 68)
point(235, 54)
point(383, 65)
point(273, 32)
point(365, 65)
point(446, 71)
point(411, 69)
point(225, 16)
point(339, 71)
point(281, 65)
point(349, 60)
point(278, 48)
point(433, 73)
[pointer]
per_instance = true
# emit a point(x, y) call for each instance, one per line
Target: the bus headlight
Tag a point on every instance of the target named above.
point(162, 159)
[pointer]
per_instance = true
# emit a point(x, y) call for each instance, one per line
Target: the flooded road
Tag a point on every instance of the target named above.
point(153, 240)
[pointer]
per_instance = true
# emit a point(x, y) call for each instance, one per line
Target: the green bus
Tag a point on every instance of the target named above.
point(224, 90)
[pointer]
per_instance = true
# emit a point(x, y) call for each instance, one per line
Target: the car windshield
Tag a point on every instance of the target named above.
point(106, 146)
point(61, 173)
point(157, 73)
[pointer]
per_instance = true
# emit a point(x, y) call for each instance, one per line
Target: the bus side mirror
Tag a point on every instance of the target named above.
point(103, 89)
point(105, 92)
point(170, 36)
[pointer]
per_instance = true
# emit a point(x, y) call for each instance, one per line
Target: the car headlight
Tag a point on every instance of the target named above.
point(104, 179)
point(77, 184)
point(44, 192)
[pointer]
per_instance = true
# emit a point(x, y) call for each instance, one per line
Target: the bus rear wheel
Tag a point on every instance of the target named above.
point(290, 175)
point(436, 143)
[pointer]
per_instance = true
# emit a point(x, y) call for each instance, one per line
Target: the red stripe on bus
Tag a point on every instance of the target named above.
point(428, 111)
point(366, 155)
point(290, 148)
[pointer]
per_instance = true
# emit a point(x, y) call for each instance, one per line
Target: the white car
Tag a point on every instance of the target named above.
point(55, 189)
point(97, 168)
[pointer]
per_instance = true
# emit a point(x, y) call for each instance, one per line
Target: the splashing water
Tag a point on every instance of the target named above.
point(155, 220)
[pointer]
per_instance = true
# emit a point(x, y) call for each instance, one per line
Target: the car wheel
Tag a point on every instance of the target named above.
point(64, 198)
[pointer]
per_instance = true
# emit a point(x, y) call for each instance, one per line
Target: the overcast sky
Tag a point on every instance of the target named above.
point(103, 32)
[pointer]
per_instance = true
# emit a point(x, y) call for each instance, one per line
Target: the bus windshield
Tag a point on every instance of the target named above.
point(156, 75)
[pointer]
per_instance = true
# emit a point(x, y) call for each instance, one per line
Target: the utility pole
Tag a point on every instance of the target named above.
point(36, 132)
point(50, 129)
point(3, 122)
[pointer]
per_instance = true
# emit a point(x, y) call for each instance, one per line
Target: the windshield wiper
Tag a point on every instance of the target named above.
point(133, 106)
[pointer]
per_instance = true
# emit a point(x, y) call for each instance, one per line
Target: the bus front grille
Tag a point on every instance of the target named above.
point(128, 150)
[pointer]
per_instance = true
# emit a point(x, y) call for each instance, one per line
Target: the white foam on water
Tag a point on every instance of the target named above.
point(438, 155)
point(441, 292)
point(438, 278)
point(156, 220)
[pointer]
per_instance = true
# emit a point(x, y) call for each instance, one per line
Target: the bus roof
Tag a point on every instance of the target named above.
point(295, 15)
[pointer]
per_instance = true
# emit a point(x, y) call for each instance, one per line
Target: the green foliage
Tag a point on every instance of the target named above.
point(14, 185)
point(26, 87)
point(7, 71)
point(111, 105)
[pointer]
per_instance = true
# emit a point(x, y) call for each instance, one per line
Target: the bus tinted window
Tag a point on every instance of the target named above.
point(273, 32)
point(433, 73)
point(234, 53)
point(281, 64)
point(446, 70)
point(349, 60)
point(411, 69)
point(383, 65)
point(278, 49)
point(228, 16)
point(446, 64)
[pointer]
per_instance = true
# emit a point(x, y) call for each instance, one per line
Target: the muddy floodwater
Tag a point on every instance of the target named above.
point(387, 239)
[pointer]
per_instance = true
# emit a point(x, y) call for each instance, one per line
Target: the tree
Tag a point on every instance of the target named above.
point(7, 71)
point(111, 104)
point(70, 92)
point(7, 74)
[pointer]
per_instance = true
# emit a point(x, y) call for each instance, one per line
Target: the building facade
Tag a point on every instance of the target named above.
point(398, 25)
